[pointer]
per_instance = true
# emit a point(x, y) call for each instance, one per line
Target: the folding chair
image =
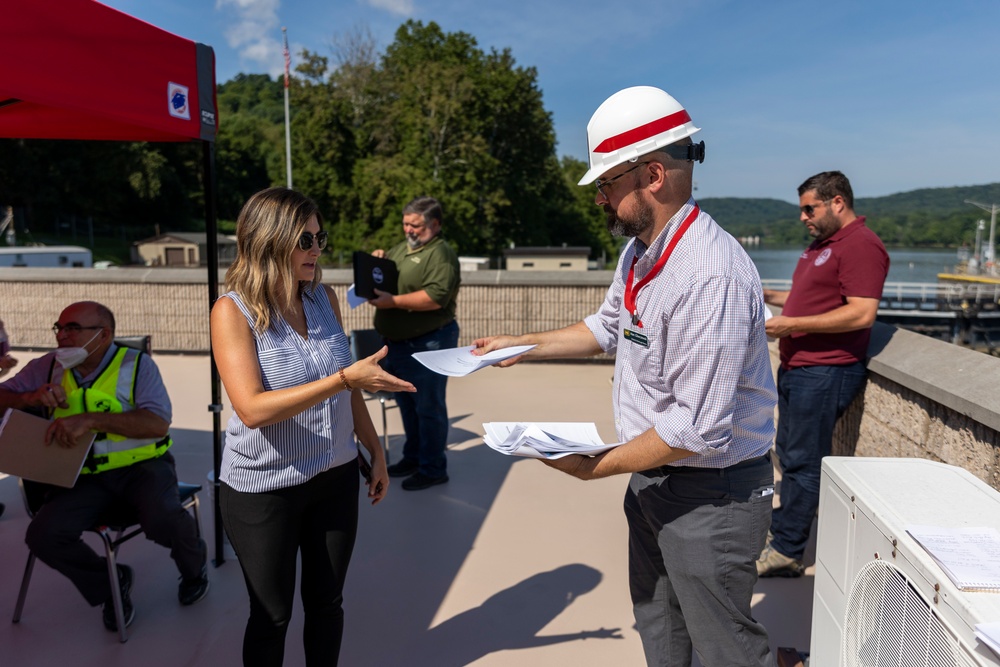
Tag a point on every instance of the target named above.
point(365, 343)
point(141, 343)
point(114, 530)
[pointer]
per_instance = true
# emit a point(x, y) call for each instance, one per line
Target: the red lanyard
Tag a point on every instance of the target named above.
point(631, 292)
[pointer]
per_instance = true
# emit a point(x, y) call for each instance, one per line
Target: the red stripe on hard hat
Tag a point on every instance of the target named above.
point(643, 132)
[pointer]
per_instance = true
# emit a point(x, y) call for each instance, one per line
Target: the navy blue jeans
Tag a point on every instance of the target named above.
point(424, 413)
point(810, 400)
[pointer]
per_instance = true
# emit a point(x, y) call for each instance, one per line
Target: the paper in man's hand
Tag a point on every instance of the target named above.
point(459, 361)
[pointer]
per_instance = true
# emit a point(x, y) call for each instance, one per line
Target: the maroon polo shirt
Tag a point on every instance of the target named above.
point(852, 262)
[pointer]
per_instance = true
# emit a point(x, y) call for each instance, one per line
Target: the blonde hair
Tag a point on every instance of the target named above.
point(267, 232)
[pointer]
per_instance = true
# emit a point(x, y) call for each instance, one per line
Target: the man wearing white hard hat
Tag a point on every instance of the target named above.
point(693, 392)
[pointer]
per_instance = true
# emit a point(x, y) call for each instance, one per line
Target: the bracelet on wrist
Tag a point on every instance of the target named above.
point(343, 378)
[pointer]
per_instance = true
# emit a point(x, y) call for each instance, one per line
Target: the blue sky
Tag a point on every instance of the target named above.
point(897, 94)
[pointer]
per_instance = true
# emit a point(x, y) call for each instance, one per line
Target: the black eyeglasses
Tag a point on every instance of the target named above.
point(307, 239)
point(603, 184)
point(71, 328)
point(809, 209)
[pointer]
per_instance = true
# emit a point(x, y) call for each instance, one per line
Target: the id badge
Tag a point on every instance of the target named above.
point(636, 337)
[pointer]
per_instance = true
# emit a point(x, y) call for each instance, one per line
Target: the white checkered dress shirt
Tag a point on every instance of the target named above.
point(704, 381)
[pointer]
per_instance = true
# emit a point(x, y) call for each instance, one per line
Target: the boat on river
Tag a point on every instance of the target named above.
point(967, 278)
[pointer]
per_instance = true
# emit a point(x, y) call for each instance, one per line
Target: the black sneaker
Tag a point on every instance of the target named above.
point(2, 508)
point(125, 579)
point(419, 481)
point(193, 589)
point(403, 468)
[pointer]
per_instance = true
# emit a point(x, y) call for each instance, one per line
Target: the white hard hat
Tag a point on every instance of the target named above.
point(631, 123)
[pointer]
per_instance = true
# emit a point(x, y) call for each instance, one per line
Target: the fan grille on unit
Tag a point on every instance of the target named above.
point(889, 623)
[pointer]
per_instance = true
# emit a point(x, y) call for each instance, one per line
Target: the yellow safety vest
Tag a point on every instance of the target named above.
point(114, 387)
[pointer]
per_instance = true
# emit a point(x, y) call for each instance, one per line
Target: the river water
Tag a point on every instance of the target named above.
point(909, 265)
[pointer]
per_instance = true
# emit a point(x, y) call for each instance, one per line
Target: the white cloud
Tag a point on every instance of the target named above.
point(399, 7)
point(255, 33)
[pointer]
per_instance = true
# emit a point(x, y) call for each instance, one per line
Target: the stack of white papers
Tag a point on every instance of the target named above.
point(989, 634)
point(459, 361)
point(545, 440)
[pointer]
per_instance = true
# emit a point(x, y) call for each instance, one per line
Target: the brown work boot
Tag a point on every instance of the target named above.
point(775, 564)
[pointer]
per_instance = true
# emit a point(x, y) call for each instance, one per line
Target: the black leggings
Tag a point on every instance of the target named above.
point(267, 530)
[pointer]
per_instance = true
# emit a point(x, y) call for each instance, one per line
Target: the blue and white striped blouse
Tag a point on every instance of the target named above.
point(321, 437)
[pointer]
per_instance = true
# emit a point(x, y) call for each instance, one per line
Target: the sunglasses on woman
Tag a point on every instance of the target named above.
point(308, 238)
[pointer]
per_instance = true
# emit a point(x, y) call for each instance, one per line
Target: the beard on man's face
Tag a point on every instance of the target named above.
point(630, 225)
point(823, 228)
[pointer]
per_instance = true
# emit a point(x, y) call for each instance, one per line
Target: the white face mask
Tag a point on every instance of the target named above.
point(71, 357)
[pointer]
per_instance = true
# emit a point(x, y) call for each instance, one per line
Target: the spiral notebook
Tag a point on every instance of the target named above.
point(969, 556)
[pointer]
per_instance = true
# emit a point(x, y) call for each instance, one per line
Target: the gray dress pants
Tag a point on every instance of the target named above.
point(694, 537)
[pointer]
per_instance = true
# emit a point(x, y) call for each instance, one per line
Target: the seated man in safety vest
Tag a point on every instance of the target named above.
point(91, 384)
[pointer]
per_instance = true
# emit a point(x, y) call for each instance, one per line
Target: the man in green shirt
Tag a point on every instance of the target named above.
point(421, 316)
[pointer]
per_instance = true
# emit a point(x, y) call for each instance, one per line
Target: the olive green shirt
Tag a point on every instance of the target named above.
point(432, 267)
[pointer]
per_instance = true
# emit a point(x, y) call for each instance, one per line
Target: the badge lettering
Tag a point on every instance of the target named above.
point(636, 337)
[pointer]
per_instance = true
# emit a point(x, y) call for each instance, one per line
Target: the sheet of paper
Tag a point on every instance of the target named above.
point(353, 300)
point(459, 361)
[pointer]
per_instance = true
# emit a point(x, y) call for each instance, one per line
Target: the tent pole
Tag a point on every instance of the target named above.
point(212, 248)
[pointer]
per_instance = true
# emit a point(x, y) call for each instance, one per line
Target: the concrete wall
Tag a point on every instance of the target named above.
point(924, 398)
point(172, 304)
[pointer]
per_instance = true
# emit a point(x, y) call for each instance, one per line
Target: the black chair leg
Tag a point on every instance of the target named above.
point(25, 580)
point(385, 431)
point(110, 551)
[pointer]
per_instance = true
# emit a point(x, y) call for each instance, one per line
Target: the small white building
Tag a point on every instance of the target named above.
point(560, 258)
point(180, 249)
point(55, 256)
point(474, 263)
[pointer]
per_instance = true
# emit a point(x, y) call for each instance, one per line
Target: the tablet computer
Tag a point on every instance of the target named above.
point(374, 272)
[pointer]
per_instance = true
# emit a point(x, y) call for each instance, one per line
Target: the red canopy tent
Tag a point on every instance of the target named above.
point(77, 69)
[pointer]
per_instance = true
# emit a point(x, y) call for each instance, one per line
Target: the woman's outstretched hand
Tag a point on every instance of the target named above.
point(368, 375)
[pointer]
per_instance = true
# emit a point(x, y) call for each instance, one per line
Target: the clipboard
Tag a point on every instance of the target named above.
point(374, 272)
point(23, 451)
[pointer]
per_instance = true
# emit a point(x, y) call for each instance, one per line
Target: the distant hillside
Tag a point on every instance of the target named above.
point(932, 217)
point(746, 211)
point(936, 201)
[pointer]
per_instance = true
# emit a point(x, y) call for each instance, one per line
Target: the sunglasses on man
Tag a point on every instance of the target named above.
point(810, 209)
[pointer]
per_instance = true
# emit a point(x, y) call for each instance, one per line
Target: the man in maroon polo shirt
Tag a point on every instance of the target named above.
point(824, 328)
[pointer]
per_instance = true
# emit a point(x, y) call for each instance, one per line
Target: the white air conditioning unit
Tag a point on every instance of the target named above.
point(879, 597)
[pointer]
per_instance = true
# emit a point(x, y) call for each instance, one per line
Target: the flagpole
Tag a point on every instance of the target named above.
point(288, 128)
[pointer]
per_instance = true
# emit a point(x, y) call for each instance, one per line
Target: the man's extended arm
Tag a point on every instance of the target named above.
point(573, 341)
point(857, 313)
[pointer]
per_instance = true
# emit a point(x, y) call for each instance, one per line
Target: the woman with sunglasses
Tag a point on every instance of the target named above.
point(290, 465)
